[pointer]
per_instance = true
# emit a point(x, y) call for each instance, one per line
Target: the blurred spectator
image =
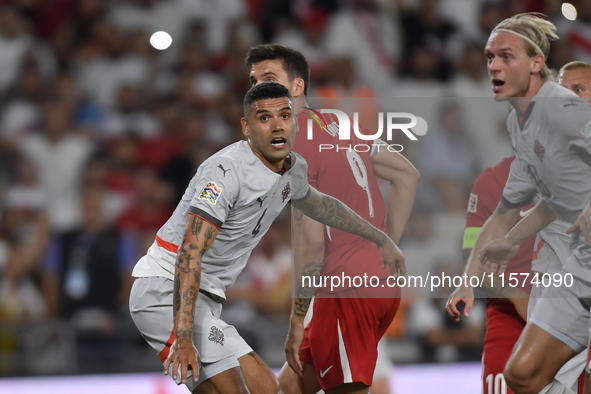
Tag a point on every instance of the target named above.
point(442, 339)
point(422, 248)
point(463, 14)
point(308, 38)
point(445, 160)
point(344, 91)
point(21, 301)
point(129, 117)
point(87, 280)
point(490, 14)
point(180, 169)
point(59, 157)
point(370, 37)
point(427, 28)
point(22, 114)
point(159, 149)
point(100, 78)
point(150, 209)
point(14, 44)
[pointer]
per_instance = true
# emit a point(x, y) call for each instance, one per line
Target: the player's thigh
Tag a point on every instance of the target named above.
point(530, 355)
point(292, 383)
point(231, 381)
point(259, 377)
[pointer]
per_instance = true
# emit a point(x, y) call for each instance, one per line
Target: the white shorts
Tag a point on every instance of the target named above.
point(571, 371)
point(219, 344)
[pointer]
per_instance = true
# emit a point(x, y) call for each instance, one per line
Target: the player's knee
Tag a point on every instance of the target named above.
point(520, 374)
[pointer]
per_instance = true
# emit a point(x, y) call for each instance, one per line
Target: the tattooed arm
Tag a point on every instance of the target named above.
point(199, 235)
point(332, 212)
point(308, 241)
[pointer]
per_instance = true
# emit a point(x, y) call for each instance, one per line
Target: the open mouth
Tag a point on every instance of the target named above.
point(279, 142)
point(497, 84)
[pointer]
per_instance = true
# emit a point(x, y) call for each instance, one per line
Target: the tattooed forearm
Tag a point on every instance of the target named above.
point(176, 300)
point(305, 289)
point(190, 297)
point(187, 279)
point(332, 212)
point(183, 335)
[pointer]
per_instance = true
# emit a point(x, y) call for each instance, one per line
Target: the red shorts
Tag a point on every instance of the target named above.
point(341, 339)
point(503, 328)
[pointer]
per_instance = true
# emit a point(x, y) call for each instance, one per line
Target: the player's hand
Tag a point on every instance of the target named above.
point(583, 223)
point(293, 343)
point(461, 294)
point(393, 258)
point(496, 255)
point(182, 356)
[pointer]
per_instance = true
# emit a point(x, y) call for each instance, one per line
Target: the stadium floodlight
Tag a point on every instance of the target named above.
point(161, 40)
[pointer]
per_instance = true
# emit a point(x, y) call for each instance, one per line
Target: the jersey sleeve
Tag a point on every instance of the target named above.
point(299, 179)
point(573, 117)
point(519, 189)
point(215, 192)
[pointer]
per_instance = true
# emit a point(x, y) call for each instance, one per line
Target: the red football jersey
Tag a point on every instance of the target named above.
point(484, 199)
point(347, 175)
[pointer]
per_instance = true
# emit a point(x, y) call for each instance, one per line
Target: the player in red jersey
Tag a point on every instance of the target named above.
point(504, 319)
point(339, 346)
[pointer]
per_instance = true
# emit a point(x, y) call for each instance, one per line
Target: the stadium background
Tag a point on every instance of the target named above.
point(100, 133)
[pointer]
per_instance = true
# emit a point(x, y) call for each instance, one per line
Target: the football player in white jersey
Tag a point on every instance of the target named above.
point(548, 128)
point(227, 208)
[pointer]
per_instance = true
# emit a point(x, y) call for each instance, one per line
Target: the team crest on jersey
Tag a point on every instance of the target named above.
point(473, 203)
point(210, 193)
point(216, 335)
point(586, 130)
point(286, 191)
point(540, 150)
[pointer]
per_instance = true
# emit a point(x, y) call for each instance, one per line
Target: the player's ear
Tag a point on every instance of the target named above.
point(245, 127)
point(298, 87)
point(538, 63)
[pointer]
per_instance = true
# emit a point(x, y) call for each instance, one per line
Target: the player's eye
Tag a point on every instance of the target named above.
point(264, 118)
point(270, 80)
point(578, 90)
point(507, 57)
point(286, 116)
point(489, 58)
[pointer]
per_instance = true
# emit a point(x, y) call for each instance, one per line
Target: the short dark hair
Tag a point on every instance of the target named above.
point(262, 91)
point(294, 63)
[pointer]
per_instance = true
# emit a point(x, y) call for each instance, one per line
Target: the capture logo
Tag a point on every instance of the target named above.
point(342, 127)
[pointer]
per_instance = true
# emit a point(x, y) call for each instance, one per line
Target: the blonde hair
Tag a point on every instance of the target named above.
point(536, 33)
point(574, 66)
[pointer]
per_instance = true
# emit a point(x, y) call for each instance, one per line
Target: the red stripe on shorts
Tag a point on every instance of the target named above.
point(164, 353)
point(166, 245)
point(537, 249)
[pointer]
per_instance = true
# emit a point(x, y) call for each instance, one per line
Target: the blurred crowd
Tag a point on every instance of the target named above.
point(100, 133)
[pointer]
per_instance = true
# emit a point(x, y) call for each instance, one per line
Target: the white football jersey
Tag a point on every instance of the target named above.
point(234, 191)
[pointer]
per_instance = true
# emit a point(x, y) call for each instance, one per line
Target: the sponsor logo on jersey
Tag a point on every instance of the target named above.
point(539, 149)
point(260, 201)
point(473, 203)
point(222, 168)
point(210, 193)
point(216, 335)
point(286, 191)
point(586, 130)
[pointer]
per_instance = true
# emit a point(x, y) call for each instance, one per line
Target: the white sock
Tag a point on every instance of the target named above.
point(556, 388)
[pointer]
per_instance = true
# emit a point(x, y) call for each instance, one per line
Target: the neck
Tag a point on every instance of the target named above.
point(299, 103)
point(521, 102)
point(273, 166)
